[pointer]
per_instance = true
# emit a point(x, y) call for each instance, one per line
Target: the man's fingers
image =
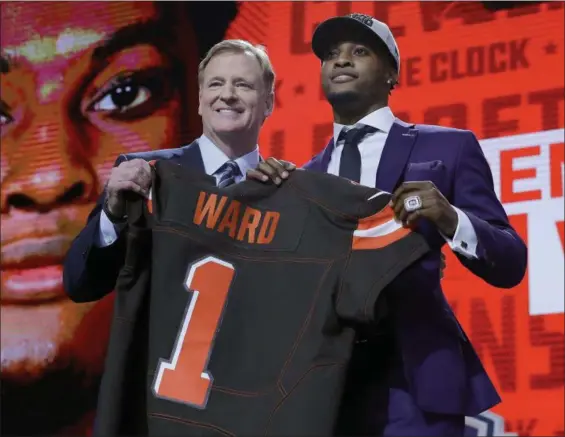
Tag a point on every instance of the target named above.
point(269, 170)
point(412, 218)
point(132, 186)
point(136, 170)
point(398, 203)
point(410, 187)
point(257, 175)
point(398, 207)
point(402, 191)
point(279, 167)
point(143, 177)
point(288, 165)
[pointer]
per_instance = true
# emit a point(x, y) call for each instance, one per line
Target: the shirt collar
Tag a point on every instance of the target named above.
point(214, 158)
point(381, 119)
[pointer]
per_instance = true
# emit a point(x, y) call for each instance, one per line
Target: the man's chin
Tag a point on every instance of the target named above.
point(343, 97)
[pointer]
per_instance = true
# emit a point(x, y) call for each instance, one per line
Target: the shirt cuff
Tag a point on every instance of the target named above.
point(464, 240)
point(108, 232)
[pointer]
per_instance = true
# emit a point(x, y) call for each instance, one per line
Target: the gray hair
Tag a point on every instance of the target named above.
point(242, 46)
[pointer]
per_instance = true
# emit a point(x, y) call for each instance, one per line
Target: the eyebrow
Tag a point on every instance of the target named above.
point(223, 79)
point(146, 32)
point(151, 32)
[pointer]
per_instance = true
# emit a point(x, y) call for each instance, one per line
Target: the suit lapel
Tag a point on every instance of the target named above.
point(396, 153)
point(191, 157)
point(327, 155)
point(321, 161)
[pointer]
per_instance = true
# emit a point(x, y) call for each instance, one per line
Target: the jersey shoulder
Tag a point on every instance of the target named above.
point(337, 194)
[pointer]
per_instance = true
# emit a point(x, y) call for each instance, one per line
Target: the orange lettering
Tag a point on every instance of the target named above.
point(268, 227)
point(211, 209)
point(249, 224)
point(230, 219)
point(556, 169)
point(508, 175)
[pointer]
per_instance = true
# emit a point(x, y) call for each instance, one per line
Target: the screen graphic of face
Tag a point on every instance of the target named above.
point(81, 83)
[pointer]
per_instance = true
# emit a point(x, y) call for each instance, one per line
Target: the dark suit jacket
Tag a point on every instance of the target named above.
point(443, 371)
point(90, 272)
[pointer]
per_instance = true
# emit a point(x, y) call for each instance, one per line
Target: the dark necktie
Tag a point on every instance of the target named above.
point(350, 162)
point(227, 174)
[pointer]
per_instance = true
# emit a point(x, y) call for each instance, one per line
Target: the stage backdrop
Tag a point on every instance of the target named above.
point(72, 101)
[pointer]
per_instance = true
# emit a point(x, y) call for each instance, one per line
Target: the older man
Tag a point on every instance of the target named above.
point(417, 374)
point(236, 95)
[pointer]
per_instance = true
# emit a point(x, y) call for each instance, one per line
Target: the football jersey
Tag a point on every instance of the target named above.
point(244, 301)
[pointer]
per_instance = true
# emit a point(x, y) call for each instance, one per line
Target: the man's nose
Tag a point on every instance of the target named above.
point(228, 93)
point(47, 167)
point(344, 60)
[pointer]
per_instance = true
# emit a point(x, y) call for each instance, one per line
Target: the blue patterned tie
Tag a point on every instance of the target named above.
point(227, 174)
point(350, 162)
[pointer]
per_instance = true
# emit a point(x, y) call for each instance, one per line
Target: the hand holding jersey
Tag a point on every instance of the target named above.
point(434, 206)
point(272, 169)
point(129, 176)
point(427, 203)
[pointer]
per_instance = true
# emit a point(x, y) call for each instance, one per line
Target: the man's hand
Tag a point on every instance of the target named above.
point(133, 176)
point(434, 207)
point(272, 169)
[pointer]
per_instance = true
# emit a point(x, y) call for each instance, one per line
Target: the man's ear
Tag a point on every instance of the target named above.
point(270, 104)
point(200, 101)
point(393, 76)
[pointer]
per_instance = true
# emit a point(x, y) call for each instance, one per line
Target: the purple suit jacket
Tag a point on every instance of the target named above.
point(443, 371)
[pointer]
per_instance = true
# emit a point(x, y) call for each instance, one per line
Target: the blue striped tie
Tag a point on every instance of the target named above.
point(227, 174)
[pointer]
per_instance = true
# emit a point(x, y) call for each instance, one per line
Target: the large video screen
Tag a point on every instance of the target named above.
point(84, 82)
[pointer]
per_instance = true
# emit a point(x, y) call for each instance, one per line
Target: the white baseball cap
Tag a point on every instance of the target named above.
point(337, 28)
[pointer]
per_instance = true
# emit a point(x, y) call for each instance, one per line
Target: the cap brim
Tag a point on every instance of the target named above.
point(334, 30)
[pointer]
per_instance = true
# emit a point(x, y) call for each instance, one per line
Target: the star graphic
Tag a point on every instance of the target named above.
point(550, 48)
point(299, 90)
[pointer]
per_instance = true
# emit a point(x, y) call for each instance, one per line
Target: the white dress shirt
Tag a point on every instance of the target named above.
point(212, 157)
point(371, 148)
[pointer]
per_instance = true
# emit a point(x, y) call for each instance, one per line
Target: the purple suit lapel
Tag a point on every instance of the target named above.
point(321, 161)
point(396, 153)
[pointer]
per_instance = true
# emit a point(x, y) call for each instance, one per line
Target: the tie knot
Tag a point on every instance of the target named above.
point(231, 168)
point(228, 173)
point(356, 134)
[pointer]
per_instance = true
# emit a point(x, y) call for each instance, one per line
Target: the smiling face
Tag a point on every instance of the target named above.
point(81, 83)
point(234, 100)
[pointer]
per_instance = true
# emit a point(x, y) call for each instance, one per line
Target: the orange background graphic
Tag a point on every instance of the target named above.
point(71, 102)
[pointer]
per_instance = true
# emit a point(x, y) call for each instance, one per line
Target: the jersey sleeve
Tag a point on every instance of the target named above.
point(381, 250)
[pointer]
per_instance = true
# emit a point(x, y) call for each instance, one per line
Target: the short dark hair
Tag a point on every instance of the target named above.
point(209, 20)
